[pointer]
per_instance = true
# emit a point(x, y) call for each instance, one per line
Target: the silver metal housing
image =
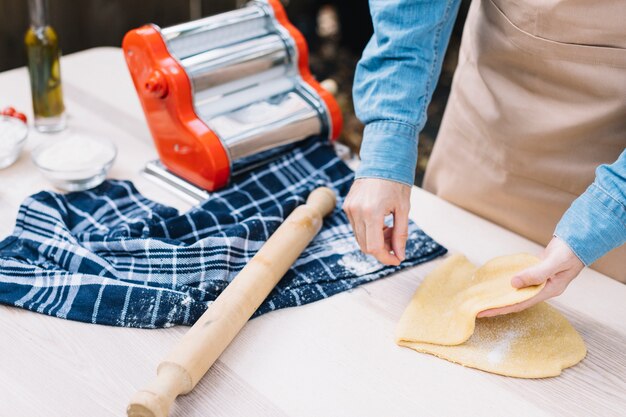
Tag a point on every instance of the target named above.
point(243, 67)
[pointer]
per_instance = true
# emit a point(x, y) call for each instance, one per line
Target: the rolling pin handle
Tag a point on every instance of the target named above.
point(156, 399)
point(323, 200)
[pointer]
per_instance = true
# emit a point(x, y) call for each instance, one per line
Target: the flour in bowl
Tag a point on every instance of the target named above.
point(75, 153)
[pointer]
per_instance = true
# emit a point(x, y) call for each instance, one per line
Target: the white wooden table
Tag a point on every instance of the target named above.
point(331, 358)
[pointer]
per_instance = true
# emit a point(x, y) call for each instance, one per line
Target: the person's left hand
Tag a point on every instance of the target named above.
point(558, 266)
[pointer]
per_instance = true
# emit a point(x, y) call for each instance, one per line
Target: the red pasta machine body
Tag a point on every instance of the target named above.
point(226, 87)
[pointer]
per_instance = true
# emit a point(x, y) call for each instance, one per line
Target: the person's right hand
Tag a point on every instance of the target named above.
point(367, 204)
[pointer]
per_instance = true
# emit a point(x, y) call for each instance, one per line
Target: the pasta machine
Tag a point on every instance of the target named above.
point(220, 91)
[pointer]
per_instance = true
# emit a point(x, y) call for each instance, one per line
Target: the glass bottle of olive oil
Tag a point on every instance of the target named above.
point(42, 48)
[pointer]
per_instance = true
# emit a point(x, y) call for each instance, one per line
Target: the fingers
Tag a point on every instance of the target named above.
point(371, 234)
point(387, 235)
point(375, 241)
point(351, 219)
point(558, 258)
point(553, 288)
point(515, 308)
point(400, 232)
point(559, 267)
point(366, 205)
point(359, 233)
point(534, 275)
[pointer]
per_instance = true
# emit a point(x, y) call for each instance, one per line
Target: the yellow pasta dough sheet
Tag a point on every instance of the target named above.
point(441, 320)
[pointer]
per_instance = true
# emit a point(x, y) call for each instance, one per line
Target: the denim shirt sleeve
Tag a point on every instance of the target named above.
point(595, 223)
point(395, 80)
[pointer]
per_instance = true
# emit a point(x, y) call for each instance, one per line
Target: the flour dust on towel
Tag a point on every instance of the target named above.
point(111, 256)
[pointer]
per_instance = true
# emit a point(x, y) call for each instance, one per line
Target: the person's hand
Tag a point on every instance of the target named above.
point(558, 266)
point(367, 204)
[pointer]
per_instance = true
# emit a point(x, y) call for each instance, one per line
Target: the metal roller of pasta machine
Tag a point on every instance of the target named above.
point(225, 89)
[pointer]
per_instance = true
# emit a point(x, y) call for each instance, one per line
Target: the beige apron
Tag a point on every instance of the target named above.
point(538, 102)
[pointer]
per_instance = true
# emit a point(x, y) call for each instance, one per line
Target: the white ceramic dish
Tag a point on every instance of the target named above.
point(13, 133)
point(74, 162)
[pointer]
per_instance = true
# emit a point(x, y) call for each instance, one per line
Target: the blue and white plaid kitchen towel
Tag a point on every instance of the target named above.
point(111, 256)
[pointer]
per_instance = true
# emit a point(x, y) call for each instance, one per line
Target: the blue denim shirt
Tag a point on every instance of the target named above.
point(393, 85)
point(595, 223)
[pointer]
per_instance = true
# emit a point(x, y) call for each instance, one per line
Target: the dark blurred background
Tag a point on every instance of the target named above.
point(336, 31)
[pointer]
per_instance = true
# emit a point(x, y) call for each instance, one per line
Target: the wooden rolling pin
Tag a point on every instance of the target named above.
point(200, 347)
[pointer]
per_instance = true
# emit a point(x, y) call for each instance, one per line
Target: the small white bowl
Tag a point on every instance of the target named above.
point(75, 162)
point(13, 133)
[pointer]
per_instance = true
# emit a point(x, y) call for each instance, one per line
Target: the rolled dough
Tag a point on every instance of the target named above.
point(444, 307)
point(535, 343)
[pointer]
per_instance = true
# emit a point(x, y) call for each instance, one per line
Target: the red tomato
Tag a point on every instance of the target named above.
point(20, 116)
point(8, 111)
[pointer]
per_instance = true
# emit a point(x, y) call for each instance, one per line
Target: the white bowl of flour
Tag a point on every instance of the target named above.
point(75, 162)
